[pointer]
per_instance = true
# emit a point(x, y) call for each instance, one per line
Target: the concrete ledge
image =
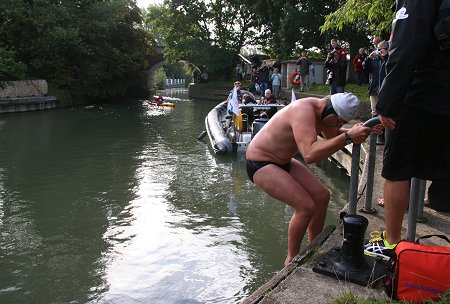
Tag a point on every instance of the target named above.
point(23, 88)
point(267, 288)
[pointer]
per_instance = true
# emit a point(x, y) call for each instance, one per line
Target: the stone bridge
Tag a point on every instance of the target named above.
point(157, 61)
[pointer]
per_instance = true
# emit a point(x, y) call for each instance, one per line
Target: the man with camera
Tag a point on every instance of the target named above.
point(337, 72)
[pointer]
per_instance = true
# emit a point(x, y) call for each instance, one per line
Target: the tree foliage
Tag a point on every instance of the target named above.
point(200, 31)
point(93, 47)
point(209, 33)
point(10, 67)
point(374, 15)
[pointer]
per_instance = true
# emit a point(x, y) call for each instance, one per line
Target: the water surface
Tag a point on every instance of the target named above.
point(121, 204)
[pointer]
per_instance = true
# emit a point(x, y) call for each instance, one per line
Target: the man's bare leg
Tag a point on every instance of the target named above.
point(283, 186)
point(296, 231)
point(396, 198)
point(319, 194)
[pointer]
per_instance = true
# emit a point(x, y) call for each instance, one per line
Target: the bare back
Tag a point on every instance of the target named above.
point(287, 132)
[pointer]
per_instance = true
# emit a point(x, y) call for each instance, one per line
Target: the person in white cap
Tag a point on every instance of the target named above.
point(272, 166)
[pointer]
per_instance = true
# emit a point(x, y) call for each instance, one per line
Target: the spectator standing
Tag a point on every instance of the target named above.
point(375, 65)
point(304, 63)
point(375, 41)
point(238, 72)
point(413, 104)
point(335, 47)
point(312, 74)
point(358, 66)
point(255, 82)
point(264, 77)
point(276, 83)
point(337, 72)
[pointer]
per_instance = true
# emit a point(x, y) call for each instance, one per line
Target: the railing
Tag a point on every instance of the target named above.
point(175, 82)
point(417, 191)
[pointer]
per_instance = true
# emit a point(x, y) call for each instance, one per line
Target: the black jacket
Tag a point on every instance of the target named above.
point(377, 72)
point(339, 70)
point(418, 73)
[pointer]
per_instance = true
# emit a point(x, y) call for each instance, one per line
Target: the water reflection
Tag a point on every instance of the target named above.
point(110, 204)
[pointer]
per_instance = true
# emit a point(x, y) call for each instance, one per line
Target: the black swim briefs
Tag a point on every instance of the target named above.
point(253, 166)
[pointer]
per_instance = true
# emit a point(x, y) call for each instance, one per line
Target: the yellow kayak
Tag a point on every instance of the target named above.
point(167, 104)
point(164, 104)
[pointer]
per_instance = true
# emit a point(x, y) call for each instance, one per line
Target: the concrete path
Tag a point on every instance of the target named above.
point(297, 283)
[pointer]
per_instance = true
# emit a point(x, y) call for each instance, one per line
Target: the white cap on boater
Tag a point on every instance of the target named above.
point(345, 105)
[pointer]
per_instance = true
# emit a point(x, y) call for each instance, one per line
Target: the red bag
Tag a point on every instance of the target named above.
point(421, 272)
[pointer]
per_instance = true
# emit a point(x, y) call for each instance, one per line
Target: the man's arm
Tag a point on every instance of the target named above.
point(405, 52)
point(305, 135)
point(314, 150)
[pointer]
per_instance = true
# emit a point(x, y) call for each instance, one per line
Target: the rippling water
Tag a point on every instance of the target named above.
point(121, 204)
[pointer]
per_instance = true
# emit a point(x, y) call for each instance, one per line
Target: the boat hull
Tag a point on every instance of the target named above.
point(216, 133)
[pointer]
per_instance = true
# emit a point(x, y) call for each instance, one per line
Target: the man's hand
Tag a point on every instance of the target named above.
point(378, 129)
point(387, 122)
point(358, 133)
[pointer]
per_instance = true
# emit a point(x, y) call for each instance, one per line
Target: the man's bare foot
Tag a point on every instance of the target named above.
point(288, 261)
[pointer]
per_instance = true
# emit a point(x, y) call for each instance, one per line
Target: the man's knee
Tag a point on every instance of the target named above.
point(322, 197)
point(308, 210)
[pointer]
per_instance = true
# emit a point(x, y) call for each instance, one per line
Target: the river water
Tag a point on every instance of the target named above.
point(121, 204)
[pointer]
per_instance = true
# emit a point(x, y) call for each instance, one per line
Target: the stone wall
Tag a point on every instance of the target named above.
point(23, 88)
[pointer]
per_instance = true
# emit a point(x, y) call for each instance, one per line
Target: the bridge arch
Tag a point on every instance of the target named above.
point(157, 61)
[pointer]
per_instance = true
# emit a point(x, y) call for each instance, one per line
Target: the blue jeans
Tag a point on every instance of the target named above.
point(336, 89)
point(359, 78)
point(264, 86)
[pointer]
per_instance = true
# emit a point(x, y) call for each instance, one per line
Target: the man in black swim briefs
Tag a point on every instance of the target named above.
point(272, 167)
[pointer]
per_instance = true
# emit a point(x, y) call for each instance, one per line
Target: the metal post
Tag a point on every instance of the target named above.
point(370, 174)
point(412, 211)
point(422, 187)
point(354, 177)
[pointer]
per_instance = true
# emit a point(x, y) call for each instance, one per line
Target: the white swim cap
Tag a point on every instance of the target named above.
point(345, 105)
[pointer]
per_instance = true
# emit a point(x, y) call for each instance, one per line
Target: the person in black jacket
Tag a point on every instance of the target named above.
point(414, 104)
point(337, 72)
point(375, 65)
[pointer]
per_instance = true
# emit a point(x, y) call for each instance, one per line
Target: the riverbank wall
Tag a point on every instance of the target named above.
point(25, 95)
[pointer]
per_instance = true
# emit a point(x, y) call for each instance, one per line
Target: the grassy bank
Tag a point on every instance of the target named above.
point(322, 89)
point(349, 298)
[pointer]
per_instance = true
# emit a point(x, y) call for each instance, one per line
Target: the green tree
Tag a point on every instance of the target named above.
point(374, 15)
point(10, 67)
point(94, 48)
point(205, 33)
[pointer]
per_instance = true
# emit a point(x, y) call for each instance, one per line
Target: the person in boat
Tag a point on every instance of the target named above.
point(272, 167)
point(159, 100)
point(238, 86)
point(248, 100)
point(269, 99)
